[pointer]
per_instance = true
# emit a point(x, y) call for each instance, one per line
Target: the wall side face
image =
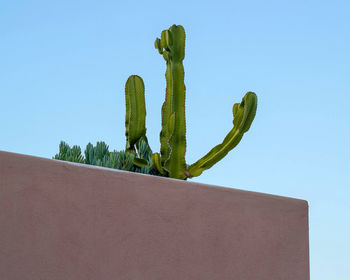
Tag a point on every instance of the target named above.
point(60, 221)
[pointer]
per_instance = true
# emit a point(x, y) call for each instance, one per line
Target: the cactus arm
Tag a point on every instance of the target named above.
point(243, 116)
point(135, 117)
point(173, 134)
point(140, 162)
point(157, 163)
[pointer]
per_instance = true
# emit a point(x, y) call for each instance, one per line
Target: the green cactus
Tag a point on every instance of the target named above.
point(170, 162)
point(173, 135)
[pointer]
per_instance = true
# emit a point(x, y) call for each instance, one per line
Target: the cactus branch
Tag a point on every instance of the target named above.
point(157, 164)
point(135, 118)
point(173, 135)
point(243, 116)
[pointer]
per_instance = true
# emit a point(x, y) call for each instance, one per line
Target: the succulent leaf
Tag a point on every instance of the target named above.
point(69, 154)
point(89, 153)
point(101, 150)
point(75, 154)
point(63, 151)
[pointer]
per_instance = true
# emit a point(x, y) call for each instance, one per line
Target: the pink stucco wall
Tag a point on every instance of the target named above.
point(60, 221)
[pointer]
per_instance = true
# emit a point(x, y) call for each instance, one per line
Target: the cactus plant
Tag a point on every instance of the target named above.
point(171, 159)
point(170, 162)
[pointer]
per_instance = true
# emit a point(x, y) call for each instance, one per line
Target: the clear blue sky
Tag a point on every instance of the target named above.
point(63, 66)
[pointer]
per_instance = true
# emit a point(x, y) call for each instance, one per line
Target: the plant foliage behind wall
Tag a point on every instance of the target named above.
point(100, 155)
point(170, 162)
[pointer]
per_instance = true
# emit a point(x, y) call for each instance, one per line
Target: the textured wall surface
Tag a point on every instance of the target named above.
point(62, 221)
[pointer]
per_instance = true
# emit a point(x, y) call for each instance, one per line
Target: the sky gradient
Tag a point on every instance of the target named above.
point(64, 65)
